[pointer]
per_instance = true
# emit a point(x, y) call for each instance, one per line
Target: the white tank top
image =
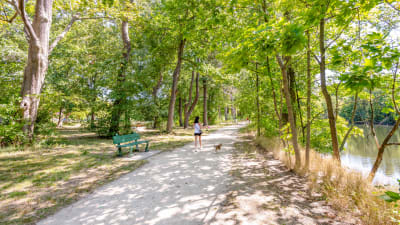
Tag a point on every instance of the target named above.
point(197, 128)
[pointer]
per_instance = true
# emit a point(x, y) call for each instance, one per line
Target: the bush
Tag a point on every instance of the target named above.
point(10, 125)
point(102, 127)
point(102, 124)
point(11, 133)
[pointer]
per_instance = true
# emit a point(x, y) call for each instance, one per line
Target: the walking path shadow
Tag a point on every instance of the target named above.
point(264, 191)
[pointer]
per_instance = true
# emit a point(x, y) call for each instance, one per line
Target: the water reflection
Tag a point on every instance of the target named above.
point(361, 153)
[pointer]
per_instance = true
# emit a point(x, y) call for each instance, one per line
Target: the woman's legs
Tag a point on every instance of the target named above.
point(195, 141)
point(200, 140)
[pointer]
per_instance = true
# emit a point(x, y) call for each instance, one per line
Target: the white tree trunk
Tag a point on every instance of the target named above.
point(37, 63)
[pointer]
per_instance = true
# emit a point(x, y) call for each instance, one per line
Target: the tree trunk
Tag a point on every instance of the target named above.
point(127, 120)
point(180, 111)
point(371, 123)
point(353, 115)
point(120, 91)
point(189, 106)
point(232, 106)
point(205, 112)
point(292, 88)
point(300, 115)
point(37, 63)
point(258, 102)
point(381, 150)
point(337, 100)
point(308, 135)
point(283, 116)
point(60, 119)
point(92, 115)
point(219, 113)
point(283, 66)
point(92, 87)
point(226, 113)
point(175, 79)
point(328, 100)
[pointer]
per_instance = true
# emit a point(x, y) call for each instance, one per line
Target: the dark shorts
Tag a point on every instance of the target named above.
point(197, 134)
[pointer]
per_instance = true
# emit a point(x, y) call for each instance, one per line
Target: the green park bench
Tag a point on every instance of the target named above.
point(129, 140)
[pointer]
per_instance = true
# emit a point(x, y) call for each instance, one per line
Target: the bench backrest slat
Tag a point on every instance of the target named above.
point(125, 138)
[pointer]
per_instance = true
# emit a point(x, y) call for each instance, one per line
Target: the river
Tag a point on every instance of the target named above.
point(360, 154)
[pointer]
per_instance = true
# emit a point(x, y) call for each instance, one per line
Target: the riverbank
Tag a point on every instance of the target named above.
point(346, 191)
point(361, 151)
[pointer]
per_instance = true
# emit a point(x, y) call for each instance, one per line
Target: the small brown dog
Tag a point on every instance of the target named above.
point(218, 147)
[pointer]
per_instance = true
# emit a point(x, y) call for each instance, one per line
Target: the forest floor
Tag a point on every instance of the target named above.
point(37, 181)
point(236, 185)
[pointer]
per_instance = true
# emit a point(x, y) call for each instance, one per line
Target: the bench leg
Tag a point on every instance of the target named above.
point(119, 152)
point(147, 147)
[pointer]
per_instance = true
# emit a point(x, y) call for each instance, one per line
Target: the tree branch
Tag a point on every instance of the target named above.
point(61, 36)
point(393, 144)
point(353, 115)
point(12, 18)
point(392, 6)
point(20, 8)
point(279, 59)
point(316, 58)
point(372, 120)
point(340, 33)
point(68, 27)
point(394, 89)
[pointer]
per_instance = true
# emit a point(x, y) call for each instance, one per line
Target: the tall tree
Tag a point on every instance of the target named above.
point(284, 67)
point(189, 106)
point(120, 97)
point(175, 78)
point(308, 135)
point(327, 96)
point(205, 111)
point(38, 38)
point(258, 102)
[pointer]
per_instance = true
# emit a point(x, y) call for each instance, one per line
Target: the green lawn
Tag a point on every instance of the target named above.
point(36, 182)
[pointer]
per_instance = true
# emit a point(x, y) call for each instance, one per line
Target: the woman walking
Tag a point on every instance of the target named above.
point(197, 132)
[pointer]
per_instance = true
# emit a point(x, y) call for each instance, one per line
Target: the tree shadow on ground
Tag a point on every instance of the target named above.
point(264, 191)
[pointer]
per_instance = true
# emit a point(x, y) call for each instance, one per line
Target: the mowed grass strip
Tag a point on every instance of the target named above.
point(36, 182)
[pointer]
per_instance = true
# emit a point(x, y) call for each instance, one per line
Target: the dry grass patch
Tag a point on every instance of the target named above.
point(345, 190)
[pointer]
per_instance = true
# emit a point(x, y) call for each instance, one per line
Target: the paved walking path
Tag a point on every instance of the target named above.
point(181, 187)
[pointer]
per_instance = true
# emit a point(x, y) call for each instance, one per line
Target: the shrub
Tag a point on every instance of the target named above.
point(11, 125)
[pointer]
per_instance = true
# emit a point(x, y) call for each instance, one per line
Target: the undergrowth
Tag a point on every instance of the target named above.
point(346, 190)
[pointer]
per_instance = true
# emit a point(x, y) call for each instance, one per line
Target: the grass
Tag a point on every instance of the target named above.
point(345, 190)
point(37, 181)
